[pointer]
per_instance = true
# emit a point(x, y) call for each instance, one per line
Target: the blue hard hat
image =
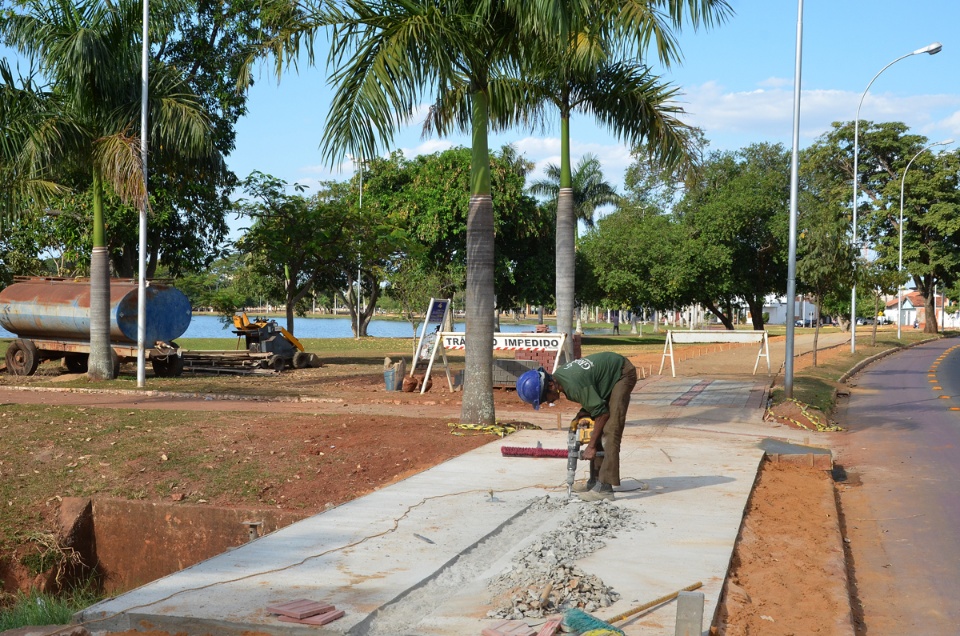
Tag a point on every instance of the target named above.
point(531, 385)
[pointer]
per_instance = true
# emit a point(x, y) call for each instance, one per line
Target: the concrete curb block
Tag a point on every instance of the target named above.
point(848, 626)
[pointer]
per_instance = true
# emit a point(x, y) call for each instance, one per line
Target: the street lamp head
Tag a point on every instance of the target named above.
point(932, 49)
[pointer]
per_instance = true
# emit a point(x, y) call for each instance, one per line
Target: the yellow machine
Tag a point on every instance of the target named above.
point(266, 336)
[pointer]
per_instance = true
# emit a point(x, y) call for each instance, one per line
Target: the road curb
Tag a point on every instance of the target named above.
point(866, 361)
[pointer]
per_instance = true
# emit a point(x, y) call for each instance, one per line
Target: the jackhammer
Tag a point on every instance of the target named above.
point(581, 428)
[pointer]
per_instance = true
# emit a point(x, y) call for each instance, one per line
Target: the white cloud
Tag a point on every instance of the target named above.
point(428, 147)
point(744, 117)
point(775, 82)
point(951, 123)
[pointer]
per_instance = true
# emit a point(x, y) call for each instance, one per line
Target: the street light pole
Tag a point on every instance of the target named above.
point(792, 248)
point(903, 181)
point(142, 257)
point(359, 282)
point(931, 49)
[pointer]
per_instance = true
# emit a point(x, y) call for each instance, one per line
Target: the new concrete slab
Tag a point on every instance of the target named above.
point(415, 557)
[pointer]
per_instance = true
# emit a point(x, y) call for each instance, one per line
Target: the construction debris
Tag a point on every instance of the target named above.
point(549, 563)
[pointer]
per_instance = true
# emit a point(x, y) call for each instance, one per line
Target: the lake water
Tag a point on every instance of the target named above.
point(213, 327)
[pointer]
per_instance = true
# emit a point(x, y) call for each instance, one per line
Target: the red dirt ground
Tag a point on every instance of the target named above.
point(779, 571)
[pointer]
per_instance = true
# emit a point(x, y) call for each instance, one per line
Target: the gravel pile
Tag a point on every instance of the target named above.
point(546, 570)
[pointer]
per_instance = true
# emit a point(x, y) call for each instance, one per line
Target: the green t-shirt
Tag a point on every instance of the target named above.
point(589, 381)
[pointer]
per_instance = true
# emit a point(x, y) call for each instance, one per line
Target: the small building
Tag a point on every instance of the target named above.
point(914, 309)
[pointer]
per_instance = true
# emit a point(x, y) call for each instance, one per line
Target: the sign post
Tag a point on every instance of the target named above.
point(436, 316)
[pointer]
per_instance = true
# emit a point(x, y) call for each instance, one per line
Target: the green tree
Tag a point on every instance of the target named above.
point(641, 258)
point(89, 51)
point(428, 197)
point(297, 241)
point(931, 232)
point(825, 256)
point(649, 182)
point(931, 227)
point(740, 203)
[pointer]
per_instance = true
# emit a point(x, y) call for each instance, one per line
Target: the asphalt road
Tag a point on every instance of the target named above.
point(901, 501)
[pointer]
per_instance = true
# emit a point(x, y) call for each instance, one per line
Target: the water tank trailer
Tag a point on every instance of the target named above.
point(51, 319)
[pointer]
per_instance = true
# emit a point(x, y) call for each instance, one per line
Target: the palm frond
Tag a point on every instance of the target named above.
point(397, 49)
point(117, 159)
point(637, 105)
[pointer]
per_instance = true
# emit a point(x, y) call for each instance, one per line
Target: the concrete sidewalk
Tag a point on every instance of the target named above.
point(415, 557)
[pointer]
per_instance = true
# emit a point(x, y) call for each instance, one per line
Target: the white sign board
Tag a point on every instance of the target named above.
point(503, 342)
point(712, 336)
point(509, 341)
point(432, 324)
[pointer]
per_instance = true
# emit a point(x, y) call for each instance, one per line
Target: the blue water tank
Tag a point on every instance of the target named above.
point(53, 308)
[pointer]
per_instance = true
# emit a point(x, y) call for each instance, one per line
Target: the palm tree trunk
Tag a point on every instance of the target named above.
point(566, 244)
point(100, 365)
point(477, 403)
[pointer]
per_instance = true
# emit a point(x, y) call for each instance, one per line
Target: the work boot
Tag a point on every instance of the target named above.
point(599, 492)
point(584, 486)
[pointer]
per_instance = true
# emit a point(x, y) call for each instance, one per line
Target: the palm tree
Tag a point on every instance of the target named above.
point(89, 52)
point(387, 56)
point(24, 107)
point(590, 191)
point(584, 73)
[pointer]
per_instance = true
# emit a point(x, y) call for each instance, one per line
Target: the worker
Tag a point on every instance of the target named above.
point(601, 384)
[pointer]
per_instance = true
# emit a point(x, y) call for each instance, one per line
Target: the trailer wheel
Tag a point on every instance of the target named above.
point(277, 363)
point(22, 357)
point(76, 362)
point(301, 360)
point(116, 363)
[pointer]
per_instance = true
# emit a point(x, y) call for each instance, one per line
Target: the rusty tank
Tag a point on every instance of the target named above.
point(51, 318)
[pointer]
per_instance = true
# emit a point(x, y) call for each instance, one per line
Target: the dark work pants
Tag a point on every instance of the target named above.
point(608, 466)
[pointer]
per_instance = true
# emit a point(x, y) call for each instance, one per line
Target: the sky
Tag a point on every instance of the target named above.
point(736, 83)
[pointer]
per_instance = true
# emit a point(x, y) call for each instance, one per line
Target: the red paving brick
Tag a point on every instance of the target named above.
point(317, 619)
point(299, 609)
point(551, 627)
point(509, 628)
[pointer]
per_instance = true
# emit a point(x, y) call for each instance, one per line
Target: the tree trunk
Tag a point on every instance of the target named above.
point(566, 243)
point(476, 406)
point(713, 309)
point(100, 363)
point(565, 260)
point(816, 331)
point(930, 313)
point(290, 313)
point(756, 313)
